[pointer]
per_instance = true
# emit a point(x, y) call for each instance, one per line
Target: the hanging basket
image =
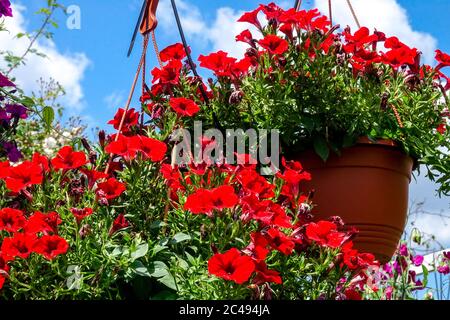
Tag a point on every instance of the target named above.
point(367, 186)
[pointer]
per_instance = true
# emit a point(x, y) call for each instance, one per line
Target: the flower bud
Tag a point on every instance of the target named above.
point(236, 97)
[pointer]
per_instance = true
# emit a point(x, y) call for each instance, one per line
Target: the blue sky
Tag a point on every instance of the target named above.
point(98, 50)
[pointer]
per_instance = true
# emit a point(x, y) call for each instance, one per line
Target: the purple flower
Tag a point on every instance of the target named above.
point(417, 260)
point(3, 115)
point(388, 292)
point(5, 8)
point(17, 111)
point(447, 255)
point(4, 81)
point(403, 250)
point(13, 153)
point(444, 269)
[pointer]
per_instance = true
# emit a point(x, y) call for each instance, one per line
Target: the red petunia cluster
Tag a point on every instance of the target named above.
point(37, 233)
point(130, 147)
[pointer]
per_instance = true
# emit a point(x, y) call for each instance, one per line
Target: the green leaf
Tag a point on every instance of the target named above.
point(169, 281)
point(180, 237)
point(321, 147)
point(48, 115)
point(139, 268)
point(27, 102)
point(141, 251)
point(158, 269)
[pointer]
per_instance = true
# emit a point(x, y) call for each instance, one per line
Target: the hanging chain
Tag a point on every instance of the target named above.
point(155, 46)
point(397, 116)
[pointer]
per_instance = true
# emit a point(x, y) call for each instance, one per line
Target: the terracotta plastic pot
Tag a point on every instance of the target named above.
point(367, 186)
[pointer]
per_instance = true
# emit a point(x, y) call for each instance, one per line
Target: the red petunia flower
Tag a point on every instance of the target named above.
point(219, 62)
point(231, 266)
point(184, 107)
point(443, 59)
point(18, 246)
point(223, 197)
point(4, 269)
point(93, 176)
point(43, 222)
point(279, 241)
point(119, 223)
point(246, 37)
point(253, 183)
point(352, 294)
point(125, 147)
point(169, 74)
point(42, 161)
point(152, 149)
point(22, 176)
point(399, 57)
point(81, 214)
point(51, 246)
point(442, 128)
point(264, 275)
point(131, 120)
point(252, 18)
point(11, 220)
point(173, 52)
point(68, 159)
point(205, 201)
point(199, 202)
point(4, 169)
point(325, 233)
point(257, 248)
point(274, 44)
point(110, 189)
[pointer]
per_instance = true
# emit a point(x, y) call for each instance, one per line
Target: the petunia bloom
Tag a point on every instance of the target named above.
point(205, 201)
point(22, 176)
point(131, 119)
point(184, 107)
point(5, 8)
point(325, 233)
point(152, 149)
point(11, 220)
point(51, 246)
point(231, 266)
point(110, 189)
point(43, 222)
point(68, 159)
point(274, 44)
point(18, 246)
point(279, 241)
point(173, 52)
point(124, 146)
point(81, 214)
point(119, 223)
point(443, 59)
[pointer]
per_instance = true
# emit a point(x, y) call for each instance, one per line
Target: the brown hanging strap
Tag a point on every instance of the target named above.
point(130, 96)
point(330, 12)
point(354, 14)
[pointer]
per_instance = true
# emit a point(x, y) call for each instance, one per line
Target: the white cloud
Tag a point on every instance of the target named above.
point(220, 34)
point(66, 68)
point(386, 16)
point(115, 100)
point(434, 225)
